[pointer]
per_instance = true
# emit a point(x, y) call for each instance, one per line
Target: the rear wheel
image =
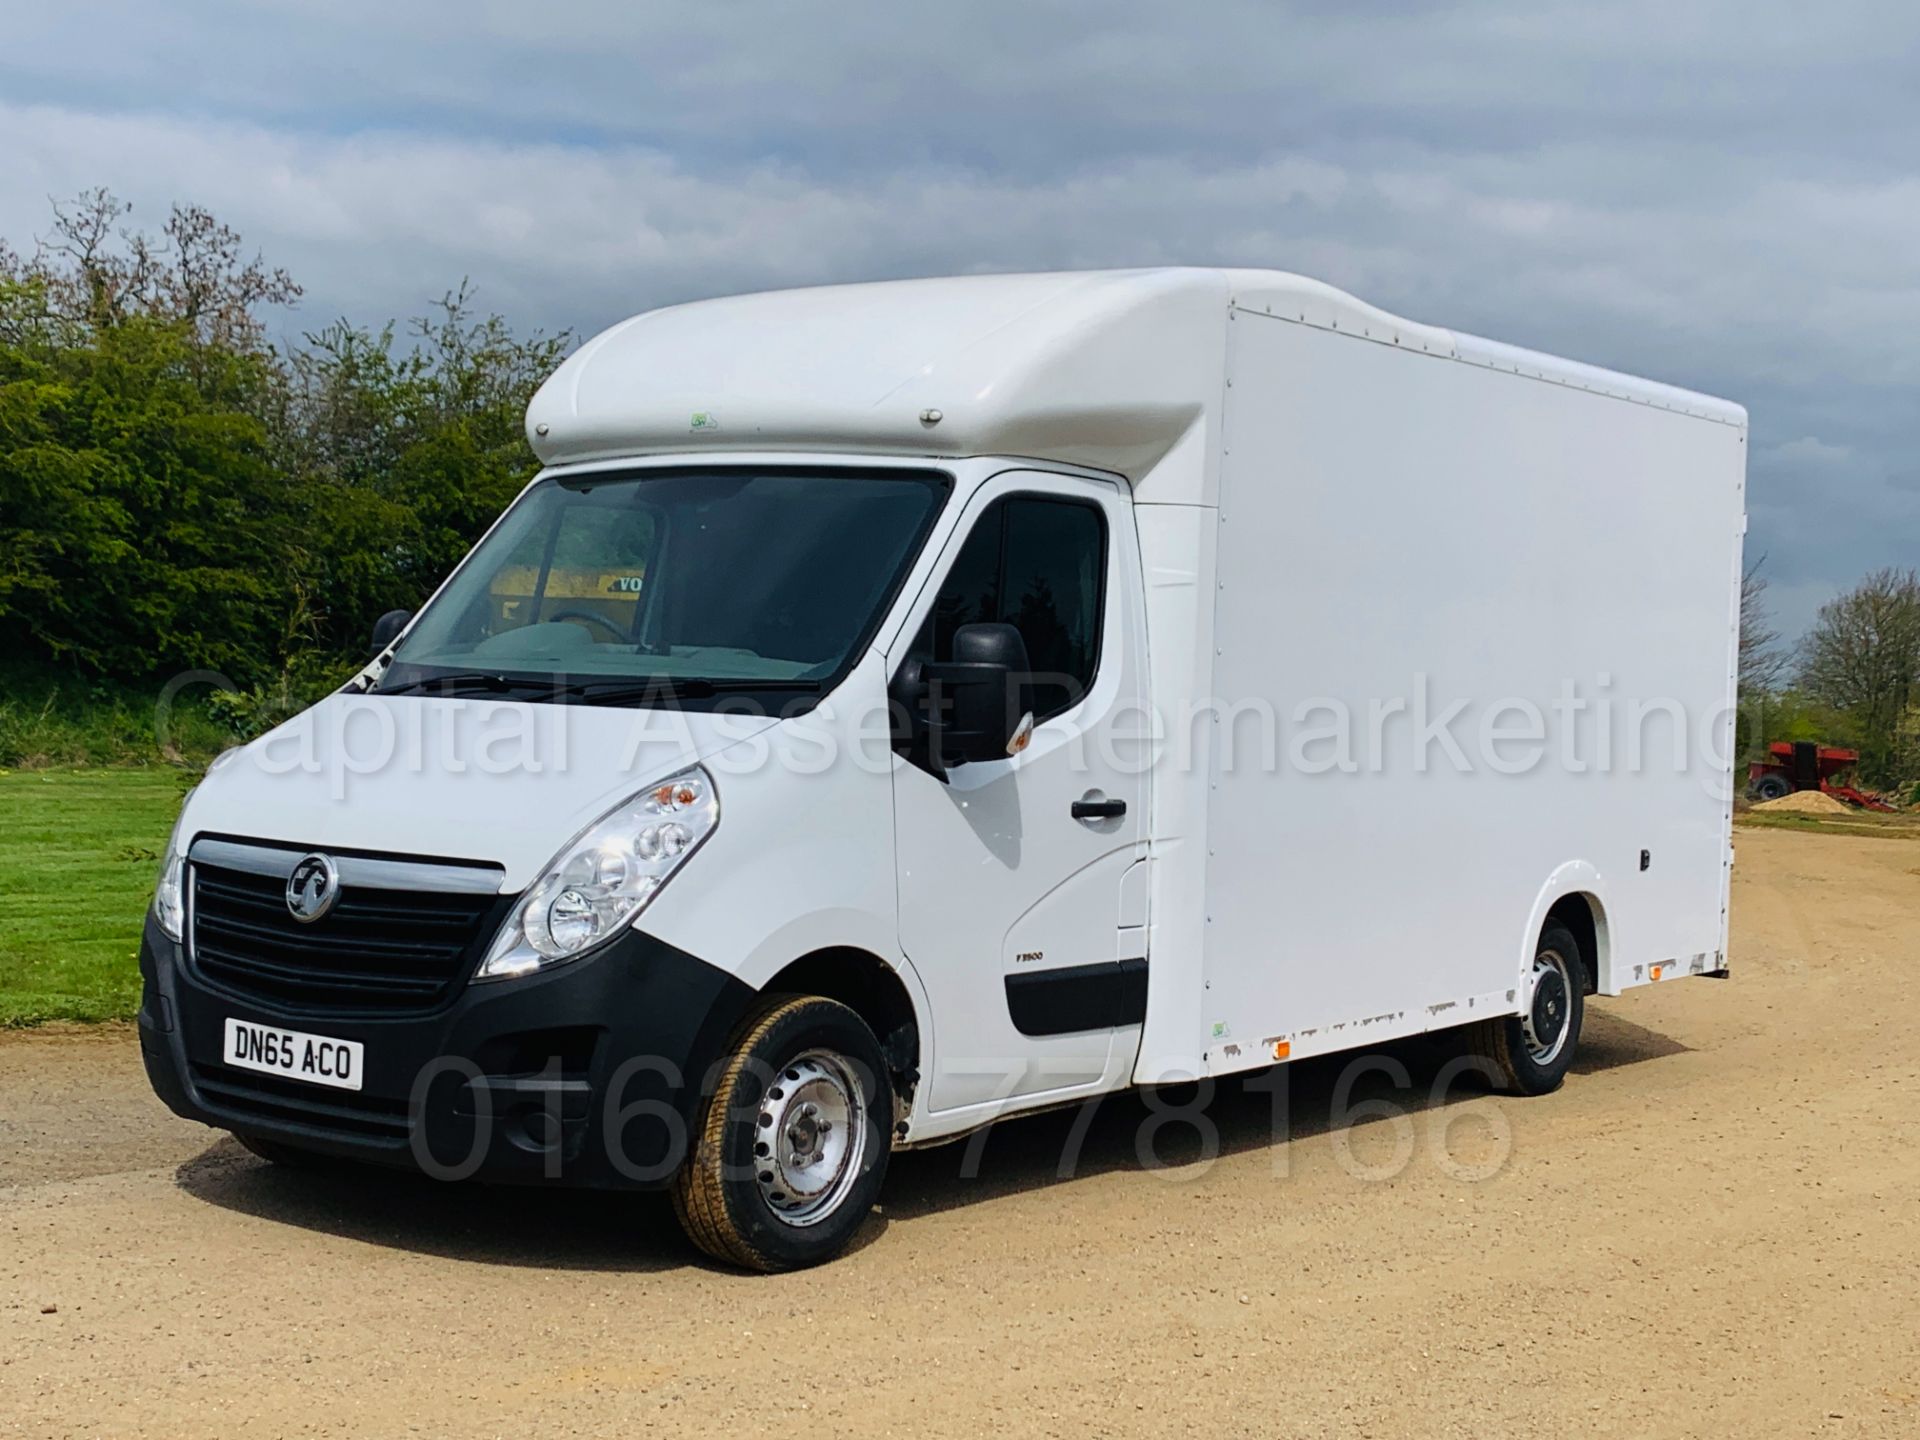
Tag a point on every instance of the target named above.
point(1530, 1053)
point(1771, 787)
point(793, 1143)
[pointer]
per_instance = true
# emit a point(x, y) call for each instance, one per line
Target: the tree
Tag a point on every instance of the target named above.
point(177, 492)
point(407, 452)
point(1863, 657)
point(1763, 664)
point(93, 273)
point(142, 528)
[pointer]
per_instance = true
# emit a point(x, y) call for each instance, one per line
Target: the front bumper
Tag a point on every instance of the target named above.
point(587, 1075)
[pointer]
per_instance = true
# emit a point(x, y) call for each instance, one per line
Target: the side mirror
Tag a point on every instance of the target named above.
point(977, 703)
point(387, 629)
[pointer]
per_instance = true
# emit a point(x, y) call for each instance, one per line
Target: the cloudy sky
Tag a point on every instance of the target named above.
point(1721, 195)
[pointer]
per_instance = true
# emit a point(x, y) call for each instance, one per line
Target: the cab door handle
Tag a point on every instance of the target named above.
point(1099, 809)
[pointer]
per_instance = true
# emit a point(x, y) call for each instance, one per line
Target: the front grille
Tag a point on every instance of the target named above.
point(384, 951)
point(262, 1097)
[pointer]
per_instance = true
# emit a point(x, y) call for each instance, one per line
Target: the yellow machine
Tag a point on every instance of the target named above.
point(613, 596)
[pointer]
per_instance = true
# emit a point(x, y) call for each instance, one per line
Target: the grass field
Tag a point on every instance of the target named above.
point(78, 853)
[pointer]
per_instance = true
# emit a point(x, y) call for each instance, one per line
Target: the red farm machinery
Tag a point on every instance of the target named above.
point(1802, 765)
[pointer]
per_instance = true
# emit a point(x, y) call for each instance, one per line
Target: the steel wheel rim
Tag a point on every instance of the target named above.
point(810, 1137)
point(1548, 1019)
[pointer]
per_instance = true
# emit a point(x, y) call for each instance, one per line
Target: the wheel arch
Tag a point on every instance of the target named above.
point(1575, 896)
point(875, 991)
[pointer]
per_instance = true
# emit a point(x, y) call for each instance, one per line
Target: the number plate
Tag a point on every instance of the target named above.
point(316, 1059)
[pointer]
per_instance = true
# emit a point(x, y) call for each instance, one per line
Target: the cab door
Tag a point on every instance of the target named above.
point(1012, 871)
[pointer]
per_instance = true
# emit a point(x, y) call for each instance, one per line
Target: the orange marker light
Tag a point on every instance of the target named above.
point(1656, 971)
point(1282, 1049)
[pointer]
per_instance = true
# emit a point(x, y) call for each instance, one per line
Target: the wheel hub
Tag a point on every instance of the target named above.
point(809, 1138)
point(1549, 1009)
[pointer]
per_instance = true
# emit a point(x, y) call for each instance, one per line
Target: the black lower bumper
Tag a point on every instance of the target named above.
point(588, 1075)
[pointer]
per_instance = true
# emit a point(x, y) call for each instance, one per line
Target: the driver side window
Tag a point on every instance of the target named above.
point(1038, 563)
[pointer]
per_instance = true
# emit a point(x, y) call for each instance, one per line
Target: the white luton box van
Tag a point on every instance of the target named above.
point(894, 707)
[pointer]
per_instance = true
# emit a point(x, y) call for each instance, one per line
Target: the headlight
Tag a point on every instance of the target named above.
point(599, 883)
point(169, 892)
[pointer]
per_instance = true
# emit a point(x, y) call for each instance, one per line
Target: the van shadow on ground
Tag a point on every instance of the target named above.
point(1244, 1114)
point(582, 1230)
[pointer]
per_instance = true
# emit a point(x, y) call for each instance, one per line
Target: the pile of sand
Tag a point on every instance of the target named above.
point(1807, 802)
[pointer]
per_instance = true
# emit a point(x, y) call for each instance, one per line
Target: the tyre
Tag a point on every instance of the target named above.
point(1529, 1053)
point(1772, 787)
point(790, 1148)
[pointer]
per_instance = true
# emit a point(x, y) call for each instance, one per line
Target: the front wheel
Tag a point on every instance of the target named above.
point(1530, 1053)
point(793, 1143)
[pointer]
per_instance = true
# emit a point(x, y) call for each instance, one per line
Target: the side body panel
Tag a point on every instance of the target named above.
point(1424, 561)
point(1177, 557)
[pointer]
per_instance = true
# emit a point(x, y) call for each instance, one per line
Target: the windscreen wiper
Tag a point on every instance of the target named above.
point(614, 690)
point(489, 681)
point(681, 687)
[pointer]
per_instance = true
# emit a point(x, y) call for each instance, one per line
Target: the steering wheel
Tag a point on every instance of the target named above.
point(619, 635)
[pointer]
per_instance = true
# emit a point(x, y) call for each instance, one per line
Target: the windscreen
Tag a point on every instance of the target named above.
point(720, 579)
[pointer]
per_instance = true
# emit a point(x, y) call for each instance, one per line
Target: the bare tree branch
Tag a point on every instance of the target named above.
point(92, 272)
point(1763, 664)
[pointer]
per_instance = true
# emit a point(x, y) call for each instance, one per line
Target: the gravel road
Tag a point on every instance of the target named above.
point(1712, 1230)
